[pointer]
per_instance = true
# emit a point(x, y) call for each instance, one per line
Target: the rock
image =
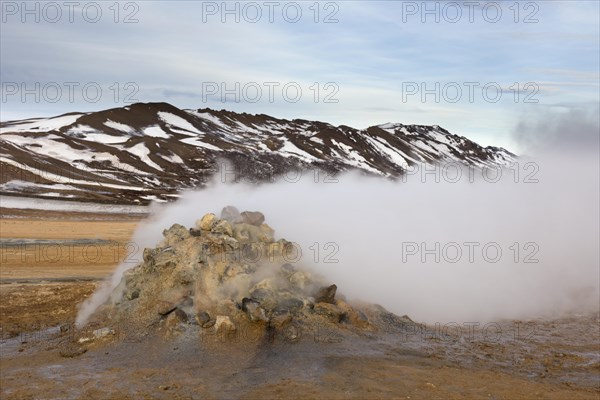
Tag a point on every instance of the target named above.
point(230, 243)
point(260, 294)
point(288, 304)
point(282, 249)
point(165, 258)
point(224, 323)
point(253, 309)
point(241, 233)
point(264, 284)
point(291, 333)
point(202, 318)
point(206, 223)
point(195, 232)
point(300, 280)
point(165, 307)
point(352, 316)
point(184, 275)
point(181, 315)
point(326, 294)
point(255, 218)
point(360, 319)
point(330, 311)
point(231, 214)
point(176, 233)
point(175, 319)
point(132, 294)
point(264, 293)
point(281, 326)
point(100, 333)
point(268, 303)
point(246, 302)
point(222, 227)
point(267, 231)
point(130, 286)
point(149, 254)
point(249, 233)
point(209, 324)
point(279, 322)
point(237, 269)
point(72, 350)
point(186, 302)
point(288, 269)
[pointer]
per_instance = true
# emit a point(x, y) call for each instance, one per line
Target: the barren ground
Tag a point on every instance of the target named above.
point(557, 359)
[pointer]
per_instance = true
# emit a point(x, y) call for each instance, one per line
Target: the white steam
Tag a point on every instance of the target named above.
point(372, 224)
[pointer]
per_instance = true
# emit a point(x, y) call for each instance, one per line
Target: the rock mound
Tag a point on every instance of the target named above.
point(228, 273)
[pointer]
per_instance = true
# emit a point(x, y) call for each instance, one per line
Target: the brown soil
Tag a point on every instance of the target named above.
point(66, 229)
point(188, 368)
point(12, 213)
point(557, 359)
point(33, 307)
point(65, 258)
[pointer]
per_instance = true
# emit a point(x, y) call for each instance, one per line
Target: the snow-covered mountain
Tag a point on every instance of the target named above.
point(152, 151)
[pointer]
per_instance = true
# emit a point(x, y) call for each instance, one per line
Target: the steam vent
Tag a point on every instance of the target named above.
point(227, 274)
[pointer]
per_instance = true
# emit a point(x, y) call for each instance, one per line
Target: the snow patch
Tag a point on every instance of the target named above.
point(198, 143)
point(42, 124)
point(389, 153)
point(177, 121)
point(119, 126)
point(16, 184)
point(155, 131)
point(174, 158)
point(141, 151)
point(289, 149)
point(104, 138)
point(350, 156)
point(64, 179)
point(210, 118)
point(152, 197)
point(58, 150)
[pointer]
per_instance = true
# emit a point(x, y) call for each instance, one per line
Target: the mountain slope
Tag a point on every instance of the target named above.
point(150, 151)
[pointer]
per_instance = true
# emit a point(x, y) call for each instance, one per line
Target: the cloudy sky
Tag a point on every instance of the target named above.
point(481, 69)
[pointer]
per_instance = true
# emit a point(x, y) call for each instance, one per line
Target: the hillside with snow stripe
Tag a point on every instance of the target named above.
point(149, 151)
